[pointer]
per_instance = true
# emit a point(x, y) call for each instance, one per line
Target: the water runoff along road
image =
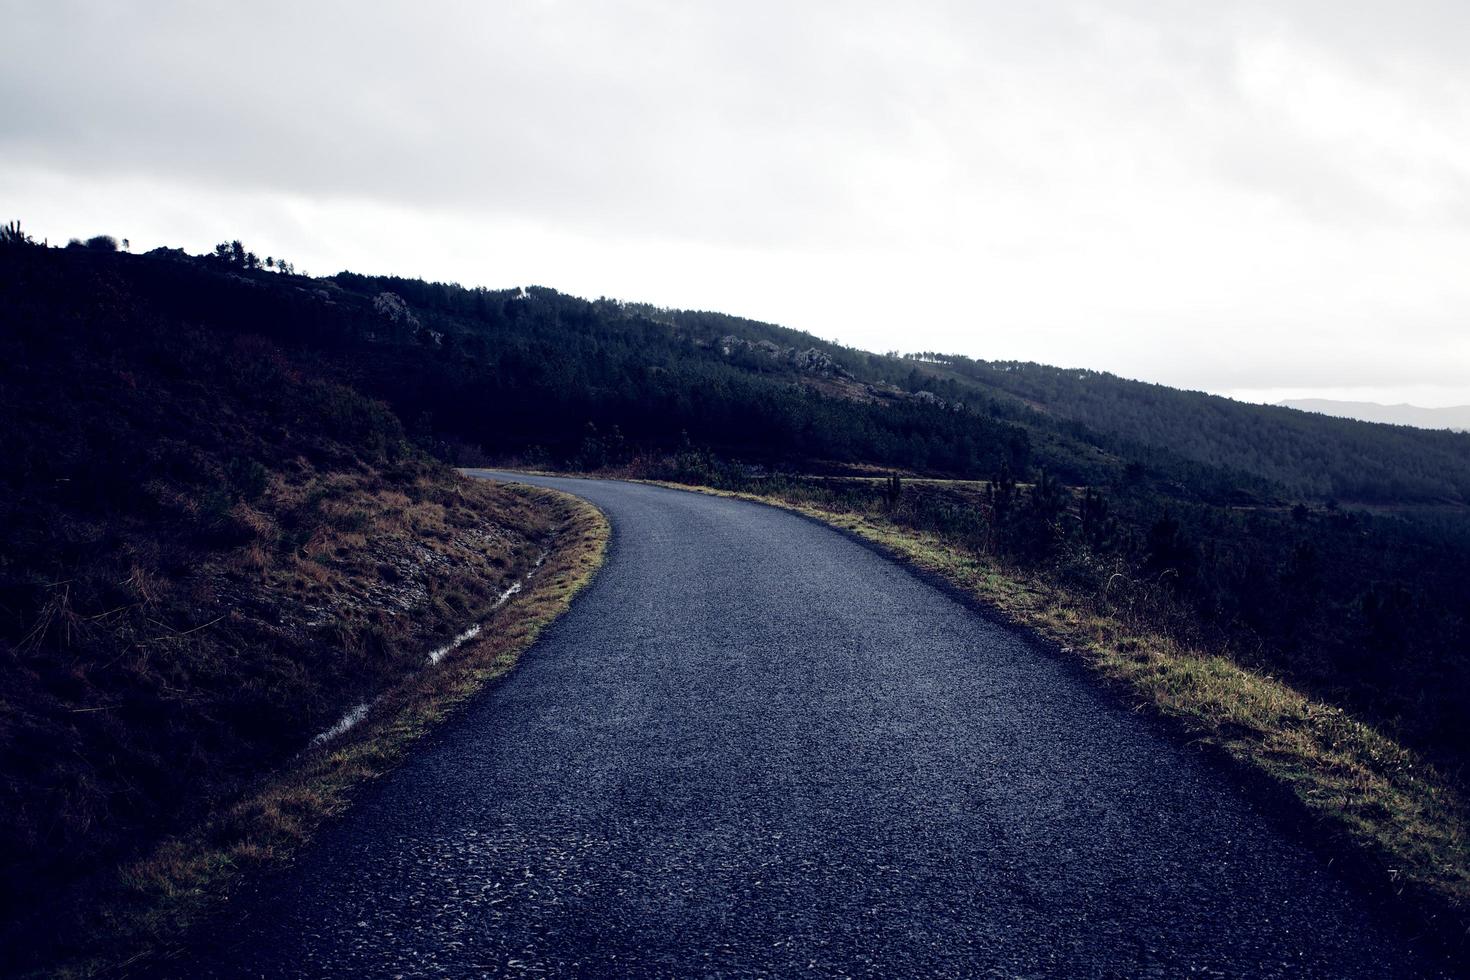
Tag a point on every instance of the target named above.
point(754, 747)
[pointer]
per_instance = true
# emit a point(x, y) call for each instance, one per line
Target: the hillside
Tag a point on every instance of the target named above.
point(776, 396)
point(1303, 452)
point(524, 372)
point(209, 552)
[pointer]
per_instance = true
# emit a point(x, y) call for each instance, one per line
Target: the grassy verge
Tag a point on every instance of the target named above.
point(1396, 821)
point(145, 911)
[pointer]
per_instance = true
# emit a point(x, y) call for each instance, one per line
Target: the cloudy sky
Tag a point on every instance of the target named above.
point(1265, 199)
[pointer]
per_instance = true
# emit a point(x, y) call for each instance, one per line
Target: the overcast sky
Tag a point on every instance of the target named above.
point(1264, 199)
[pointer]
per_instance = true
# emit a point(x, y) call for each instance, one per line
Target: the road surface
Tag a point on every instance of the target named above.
point(754, 747)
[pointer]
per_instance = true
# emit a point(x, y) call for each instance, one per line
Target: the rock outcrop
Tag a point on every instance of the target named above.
point(809, 361)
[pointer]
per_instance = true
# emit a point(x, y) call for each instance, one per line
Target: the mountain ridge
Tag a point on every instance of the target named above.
point(1454, 417)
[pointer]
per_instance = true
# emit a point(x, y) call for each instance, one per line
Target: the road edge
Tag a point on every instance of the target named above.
point(1432, 919)
point(147, 912)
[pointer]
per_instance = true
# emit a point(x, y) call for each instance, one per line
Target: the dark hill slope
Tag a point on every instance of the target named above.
point(208, 552)
point(517, 372)
point(767, 393)
point(514, 372)
point(1308, 453)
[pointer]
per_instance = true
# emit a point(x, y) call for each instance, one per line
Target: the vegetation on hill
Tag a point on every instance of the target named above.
point(1304, 453)
point(210, 552)
point(527, 371)
point(648, 378)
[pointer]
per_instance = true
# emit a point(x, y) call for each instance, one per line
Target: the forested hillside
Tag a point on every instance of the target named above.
point(776, 396)
point(1307, 453)
point(209, 550)
point(554, 379)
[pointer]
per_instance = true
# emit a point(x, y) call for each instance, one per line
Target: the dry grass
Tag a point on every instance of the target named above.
point(1400, 823)
point(148, 909)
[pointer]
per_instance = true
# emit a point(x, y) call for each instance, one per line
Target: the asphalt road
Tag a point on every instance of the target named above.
point(755, 748)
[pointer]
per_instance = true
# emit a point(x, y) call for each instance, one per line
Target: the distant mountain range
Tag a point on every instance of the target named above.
point(1456, 417)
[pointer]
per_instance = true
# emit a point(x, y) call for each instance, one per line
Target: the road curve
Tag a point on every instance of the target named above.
point(754, 747)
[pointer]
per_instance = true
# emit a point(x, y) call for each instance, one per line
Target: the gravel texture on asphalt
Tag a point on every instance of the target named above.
point(754, 747)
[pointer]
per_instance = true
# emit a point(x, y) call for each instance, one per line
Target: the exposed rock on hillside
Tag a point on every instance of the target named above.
point(392, 308)
point(809, 361)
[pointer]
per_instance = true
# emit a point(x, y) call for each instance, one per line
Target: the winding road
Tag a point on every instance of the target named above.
point(753, 747)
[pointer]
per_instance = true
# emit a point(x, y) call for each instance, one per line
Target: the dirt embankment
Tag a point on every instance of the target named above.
point(210, 553)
